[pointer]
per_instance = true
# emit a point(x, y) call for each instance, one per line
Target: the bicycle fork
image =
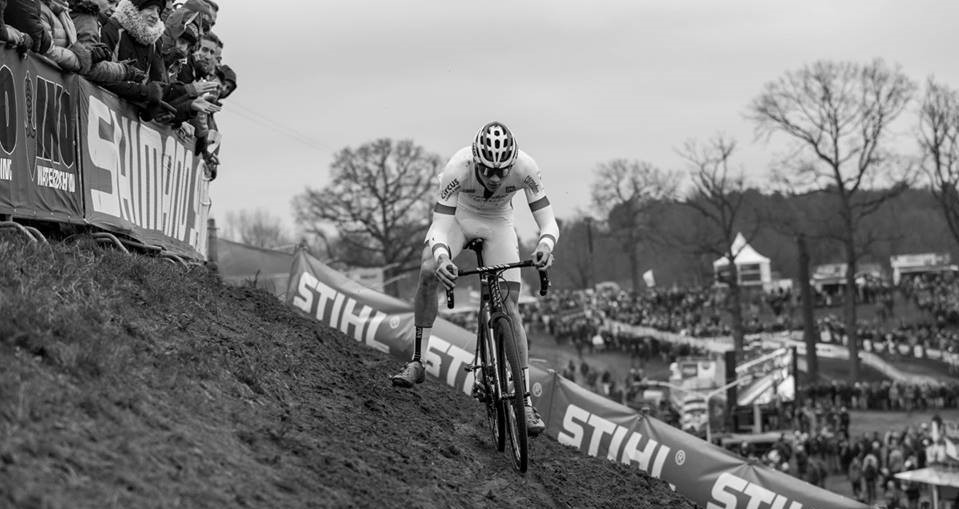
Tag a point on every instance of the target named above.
point(480, 390)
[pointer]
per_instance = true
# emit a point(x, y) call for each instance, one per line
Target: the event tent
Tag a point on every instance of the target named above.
point(753, 268)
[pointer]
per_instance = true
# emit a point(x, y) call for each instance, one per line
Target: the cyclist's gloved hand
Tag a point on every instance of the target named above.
point(543, 256)
point(446, 272)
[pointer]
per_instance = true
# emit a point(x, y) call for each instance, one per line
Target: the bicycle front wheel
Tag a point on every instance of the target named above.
point(514, 391)
point(495, 411)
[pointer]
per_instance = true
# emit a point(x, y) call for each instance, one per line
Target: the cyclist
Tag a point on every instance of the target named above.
point(475, 201)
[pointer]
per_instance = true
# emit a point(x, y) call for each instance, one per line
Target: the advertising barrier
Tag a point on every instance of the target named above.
point(141, 178)
point(71, 152)
point(39, 175)
point(707, 474)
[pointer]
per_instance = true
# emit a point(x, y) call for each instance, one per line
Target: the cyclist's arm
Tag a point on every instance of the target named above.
point(444, 214)
point(546, 220)
point(539, 203)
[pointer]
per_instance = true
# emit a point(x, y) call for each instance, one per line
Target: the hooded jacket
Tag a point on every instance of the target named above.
point(130, 37)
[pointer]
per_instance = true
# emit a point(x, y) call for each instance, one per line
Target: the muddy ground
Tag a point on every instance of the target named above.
point(128, 382)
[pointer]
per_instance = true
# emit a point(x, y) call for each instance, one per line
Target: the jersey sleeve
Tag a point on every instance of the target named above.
point(450, 181)
point(539, 204)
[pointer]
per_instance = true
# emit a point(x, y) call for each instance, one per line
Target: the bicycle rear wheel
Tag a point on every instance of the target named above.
point(495, 413)
point(514, 391)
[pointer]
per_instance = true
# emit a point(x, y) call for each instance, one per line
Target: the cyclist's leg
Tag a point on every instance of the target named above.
point(425, 308)
point(425, 301)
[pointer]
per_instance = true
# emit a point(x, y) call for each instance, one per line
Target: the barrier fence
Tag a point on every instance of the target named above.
point(71, 152)
point(707, 474)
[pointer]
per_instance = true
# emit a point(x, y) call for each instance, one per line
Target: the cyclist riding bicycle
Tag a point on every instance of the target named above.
point(475, 201)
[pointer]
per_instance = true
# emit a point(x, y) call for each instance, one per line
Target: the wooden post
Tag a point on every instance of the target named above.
point(211, 254)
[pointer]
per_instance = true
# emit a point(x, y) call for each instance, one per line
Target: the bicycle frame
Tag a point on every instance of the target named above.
point(500, 384)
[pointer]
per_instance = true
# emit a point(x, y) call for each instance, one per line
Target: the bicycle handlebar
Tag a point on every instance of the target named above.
point(543, 277)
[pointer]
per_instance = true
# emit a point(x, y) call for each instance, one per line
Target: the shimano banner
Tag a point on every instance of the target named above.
point(709, 475)
point(39, 176)
point(141, 179)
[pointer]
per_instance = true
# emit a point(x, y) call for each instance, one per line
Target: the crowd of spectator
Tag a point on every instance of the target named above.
point(883, 395)
point(702, 312)
point(822, 446)
point(164, 60)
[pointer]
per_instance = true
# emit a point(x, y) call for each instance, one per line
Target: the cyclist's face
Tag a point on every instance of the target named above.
point(492, 177)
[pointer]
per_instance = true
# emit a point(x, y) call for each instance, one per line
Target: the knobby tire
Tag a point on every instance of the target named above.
point(495, 411)
point(511, 377)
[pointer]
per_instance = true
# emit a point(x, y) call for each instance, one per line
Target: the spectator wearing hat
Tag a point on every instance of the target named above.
point(227, 80)
point(132, 33)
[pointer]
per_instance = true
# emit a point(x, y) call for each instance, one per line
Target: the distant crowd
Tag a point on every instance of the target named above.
point(578, 317)
point(821, 445)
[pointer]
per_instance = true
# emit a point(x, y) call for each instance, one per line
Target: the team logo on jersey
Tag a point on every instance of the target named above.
point(531, 184)
point(450, 188)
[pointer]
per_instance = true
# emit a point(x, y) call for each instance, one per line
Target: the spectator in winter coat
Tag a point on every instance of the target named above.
point(91, 59)
point(193, 15)
point(23, 23)
point(855, 477)
point(132, 34)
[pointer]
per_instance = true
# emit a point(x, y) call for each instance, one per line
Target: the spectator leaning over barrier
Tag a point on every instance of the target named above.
point(184, 28)
point(227, 80)
point(3, 26)
point(132, 33)
point(91, 59)
point(24, 26)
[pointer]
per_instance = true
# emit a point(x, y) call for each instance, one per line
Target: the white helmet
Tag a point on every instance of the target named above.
point(494, 146)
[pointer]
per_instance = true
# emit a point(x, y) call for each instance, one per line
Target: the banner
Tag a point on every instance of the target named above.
point(707, 474)
point(141, 179)
point(39, 177)
point(245, 265)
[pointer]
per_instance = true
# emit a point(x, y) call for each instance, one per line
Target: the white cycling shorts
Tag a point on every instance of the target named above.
point(500, 246)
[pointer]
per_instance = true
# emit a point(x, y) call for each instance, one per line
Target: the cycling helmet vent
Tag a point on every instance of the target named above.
point(494, 146)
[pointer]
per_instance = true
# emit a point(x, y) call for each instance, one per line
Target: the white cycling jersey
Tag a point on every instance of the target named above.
point(460, 186)
point(466, 209)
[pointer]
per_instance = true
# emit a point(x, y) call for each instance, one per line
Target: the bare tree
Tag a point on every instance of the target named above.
point(939, 141)
point(574, 256)
point(257, 228)
point(627, 193)
point(379, 201)
point(717, 197)
point(840, 113)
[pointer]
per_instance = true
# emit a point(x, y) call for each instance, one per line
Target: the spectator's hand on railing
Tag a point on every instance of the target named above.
point(100, 52)
point(202, 105)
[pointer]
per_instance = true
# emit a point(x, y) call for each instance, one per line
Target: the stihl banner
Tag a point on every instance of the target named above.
point(707, 474)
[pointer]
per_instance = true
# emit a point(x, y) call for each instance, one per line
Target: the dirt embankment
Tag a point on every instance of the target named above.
point(128, 382)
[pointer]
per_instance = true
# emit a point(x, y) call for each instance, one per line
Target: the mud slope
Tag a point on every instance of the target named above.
point(128, 382)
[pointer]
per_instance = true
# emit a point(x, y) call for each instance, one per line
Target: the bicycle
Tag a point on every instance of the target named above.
point(500, 384)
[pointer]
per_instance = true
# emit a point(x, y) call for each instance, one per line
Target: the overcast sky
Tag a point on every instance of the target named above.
point(579, 83)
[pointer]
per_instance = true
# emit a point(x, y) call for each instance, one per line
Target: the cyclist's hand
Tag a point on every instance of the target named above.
point(446, 272)
point(543, 256)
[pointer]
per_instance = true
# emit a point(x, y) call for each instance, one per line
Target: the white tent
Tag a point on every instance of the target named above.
point(753, 268)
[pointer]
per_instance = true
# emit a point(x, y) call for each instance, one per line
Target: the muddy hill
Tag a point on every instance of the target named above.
point(127, 381)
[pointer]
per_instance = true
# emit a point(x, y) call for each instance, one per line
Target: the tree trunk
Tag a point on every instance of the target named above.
point(634, 275)
point(849, 306)
point(736, 313)
point(392, 286)
point(809, 325)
